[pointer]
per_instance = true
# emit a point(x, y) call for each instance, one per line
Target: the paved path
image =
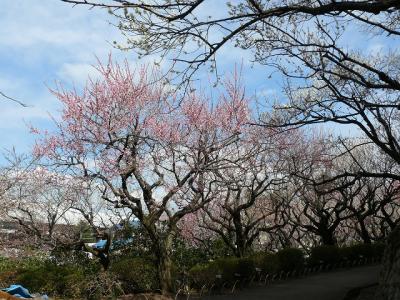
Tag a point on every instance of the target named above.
point(323, 286)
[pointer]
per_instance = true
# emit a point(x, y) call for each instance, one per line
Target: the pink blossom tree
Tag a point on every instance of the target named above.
point(253, 191)
point(148, 149)
point(243, 207)
point(38, 204)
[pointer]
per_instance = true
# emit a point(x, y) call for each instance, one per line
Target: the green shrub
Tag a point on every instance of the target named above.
point(8, 271)
point(62, 256)
point(354, 252)
point(228, 266)
point(324, 254)
point(246, 267)
point(258, 259)
point(271, 263)
point(290, 259)
point(185, 257)
point(52, 279)
point(267, 262)
point(66, 280)
point(7, 264)
point(136, 274)
point(219, 249)
point(358, 251)
point(103, 285)
point(364, 250)
point(202, 274)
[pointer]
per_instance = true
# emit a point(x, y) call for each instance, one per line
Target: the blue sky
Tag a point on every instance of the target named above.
point(41, 43)
point(50, 41)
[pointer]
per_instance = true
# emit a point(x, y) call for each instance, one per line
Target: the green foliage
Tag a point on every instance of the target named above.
point(71, 274)
point(290, 259)
point(246, 267)
point(358, 251)
point(185, 257)
point(86, 232)
point(285, 260)
point(258, 259)
point(217, 248)
point(267, 262)
point(52, 279)
point(8, 271)
point(228, 267)
point(203, 274)
point(132, 240)
point(70, 280)
point(65, 256)
point(324, 254)
point(6, 264)
point(136, 274)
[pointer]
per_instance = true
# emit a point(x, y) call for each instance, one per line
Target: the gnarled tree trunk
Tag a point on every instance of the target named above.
point(389, 283)
point(164, 264)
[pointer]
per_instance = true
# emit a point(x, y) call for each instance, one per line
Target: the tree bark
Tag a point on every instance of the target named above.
point(389, 282)
point(164, 265)
point(240, 250)
point(239, 235)
point(327, 237)
point(364, 233)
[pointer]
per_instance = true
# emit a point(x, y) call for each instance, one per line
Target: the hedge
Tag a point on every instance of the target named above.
point(136, 274)
point(285, 260)
point(79, 277)
point(324, 254)
point(290, 259)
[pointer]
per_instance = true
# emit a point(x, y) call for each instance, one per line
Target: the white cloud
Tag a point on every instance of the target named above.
point(267, 92)
point(77, 73)
point(376, 48)
point(42, 42)
point(47, 40)
point(54, 31)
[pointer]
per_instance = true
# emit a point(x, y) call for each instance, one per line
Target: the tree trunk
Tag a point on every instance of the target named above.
point(240, 242)
point(389, 282)
point(240, 251)
point(240, 245)
point(363, 231)
point(365, 234)
point(328, 238)
point(164, 265)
